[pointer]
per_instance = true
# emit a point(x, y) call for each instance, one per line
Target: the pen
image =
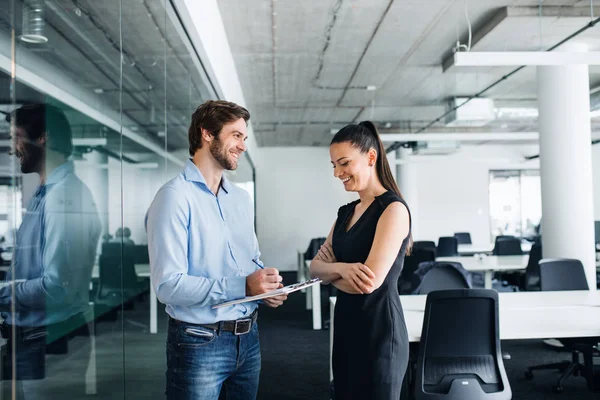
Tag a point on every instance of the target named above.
point(257, 263)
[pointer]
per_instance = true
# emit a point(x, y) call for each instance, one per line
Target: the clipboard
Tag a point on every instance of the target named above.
point(284, 290)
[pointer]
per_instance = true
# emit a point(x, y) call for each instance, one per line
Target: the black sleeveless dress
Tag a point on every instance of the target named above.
point(370, 342)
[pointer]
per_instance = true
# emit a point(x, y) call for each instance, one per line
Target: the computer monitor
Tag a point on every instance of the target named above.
point(597, 230)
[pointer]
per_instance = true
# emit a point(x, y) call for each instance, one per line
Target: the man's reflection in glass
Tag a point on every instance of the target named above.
point(53, 258)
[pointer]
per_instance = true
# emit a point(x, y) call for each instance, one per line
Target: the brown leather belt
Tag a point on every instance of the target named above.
point(238, 327)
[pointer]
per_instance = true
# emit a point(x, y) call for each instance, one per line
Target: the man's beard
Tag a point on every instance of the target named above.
point(31, 158)
point(218, 151)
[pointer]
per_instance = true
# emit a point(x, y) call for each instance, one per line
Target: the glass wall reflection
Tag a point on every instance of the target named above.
point(95, 104)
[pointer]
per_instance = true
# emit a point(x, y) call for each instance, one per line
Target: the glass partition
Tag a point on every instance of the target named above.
point(95, 104)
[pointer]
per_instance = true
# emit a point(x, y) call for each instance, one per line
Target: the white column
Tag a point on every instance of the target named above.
point(97, 174)
point(566, 165)
point(406, 176)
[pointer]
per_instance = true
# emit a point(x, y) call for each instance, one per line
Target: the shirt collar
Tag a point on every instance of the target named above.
point(60, 172)
point(193, 174)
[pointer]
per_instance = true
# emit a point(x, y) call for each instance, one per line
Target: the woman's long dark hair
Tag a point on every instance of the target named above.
point(364, 137)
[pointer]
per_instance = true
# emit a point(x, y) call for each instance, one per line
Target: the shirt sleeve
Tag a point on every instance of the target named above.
point(71, 231)
point(167, 227)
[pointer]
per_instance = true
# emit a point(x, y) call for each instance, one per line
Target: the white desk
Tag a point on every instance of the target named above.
point(489, 264)
point(142, 270)
point(523, 315)
point(486, 248)
point(313, 299)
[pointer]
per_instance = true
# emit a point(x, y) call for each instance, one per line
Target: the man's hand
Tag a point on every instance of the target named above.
point(262, 281)
point(276, 301)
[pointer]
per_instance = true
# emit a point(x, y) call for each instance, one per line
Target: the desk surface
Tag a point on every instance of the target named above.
point(526, 315)
point(487, 247)
point(140, 270)
point(489, 263)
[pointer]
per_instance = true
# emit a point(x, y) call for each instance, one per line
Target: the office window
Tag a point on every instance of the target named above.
point(515, 203)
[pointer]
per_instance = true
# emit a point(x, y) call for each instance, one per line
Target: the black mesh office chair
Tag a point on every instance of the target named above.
point(531, 281)
point(425, 244)
point(463, 237)
point(568, 274)
point(439, 275)
point(411, 263)
point(313, 247)
point(453, 365)
point(507, 246)
point(447, 246)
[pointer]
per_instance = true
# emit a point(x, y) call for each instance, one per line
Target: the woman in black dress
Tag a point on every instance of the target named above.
point(363, 257)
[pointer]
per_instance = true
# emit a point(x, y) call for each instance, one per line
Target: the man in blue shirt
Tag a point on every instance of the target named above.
point(47, 292)
point(203, 251)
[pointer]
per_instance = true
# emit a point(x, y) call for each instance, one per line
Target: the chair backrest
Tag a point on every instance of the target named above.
point(447, 246)
point(411, 263)
point(116, 272)
point(507, 246)
point(562, 274)
point(459, 354)
point(532, 272)
point(139, 252)
point(463, 237)
point(313, 247)
point(424, 244)
point(440, 275)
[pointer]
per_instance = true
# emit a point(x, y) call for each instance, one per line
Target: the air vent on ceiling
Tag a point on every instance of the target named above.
point(436, 148)
point(476, 112)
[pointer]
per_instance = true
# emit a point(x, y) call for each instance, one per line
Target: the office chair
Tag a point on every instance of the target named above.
point(463, 237)
point(313, 247)
point(118, 282)
point(447, 246)
point(425, 244)
point(440, 275)
point(411, 264)
point(452, 365)
point(531, 281)
point(568, 274)
point(507, 246)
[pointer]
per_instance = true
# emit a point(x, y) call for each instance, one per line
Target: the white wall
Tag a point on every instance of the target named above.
point(139, 188)
point(297, 200)
point(596, 180)
point(453, 190)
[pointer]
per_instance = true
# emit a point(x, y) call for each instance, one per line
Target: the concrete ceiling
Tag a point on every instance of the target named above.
point(306, 67)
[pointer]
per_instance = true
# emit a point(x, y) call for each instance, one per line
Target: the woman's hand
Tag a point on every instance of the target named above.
point(326, 253)
point(359, 276)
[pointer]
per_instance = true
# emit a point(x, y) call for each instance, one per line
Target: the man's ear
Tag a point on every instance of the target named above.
point(206, 135)
point(42, 140)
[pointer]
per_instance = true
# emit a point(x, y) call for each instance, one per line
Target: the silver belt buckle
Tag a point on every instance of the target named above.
point(242, 326)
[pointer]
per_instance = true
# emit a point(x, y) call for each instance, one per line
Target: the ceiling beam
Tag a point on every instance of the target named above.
point(460, 136)
point(528, 58)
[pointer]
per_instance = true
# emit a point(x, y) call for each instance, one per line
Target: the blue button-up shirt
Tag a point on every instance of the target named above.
point(202, 246)
point(54, 253)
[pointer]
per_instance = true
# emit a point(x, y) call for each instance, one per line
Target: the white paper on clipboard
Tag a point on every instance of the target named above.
point(284, 290)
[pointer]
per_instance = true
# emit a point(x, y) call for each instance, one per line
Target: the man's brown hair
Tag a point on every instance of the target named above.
point(212, 115)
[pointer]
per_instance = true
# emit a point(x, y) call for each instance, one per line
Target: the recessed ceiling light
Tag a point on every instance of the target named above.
point(98, 90)
point(31, 38)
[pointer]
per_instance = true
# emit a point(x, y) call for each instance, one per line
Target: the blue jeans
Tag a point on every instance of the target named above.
point(200, 361)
